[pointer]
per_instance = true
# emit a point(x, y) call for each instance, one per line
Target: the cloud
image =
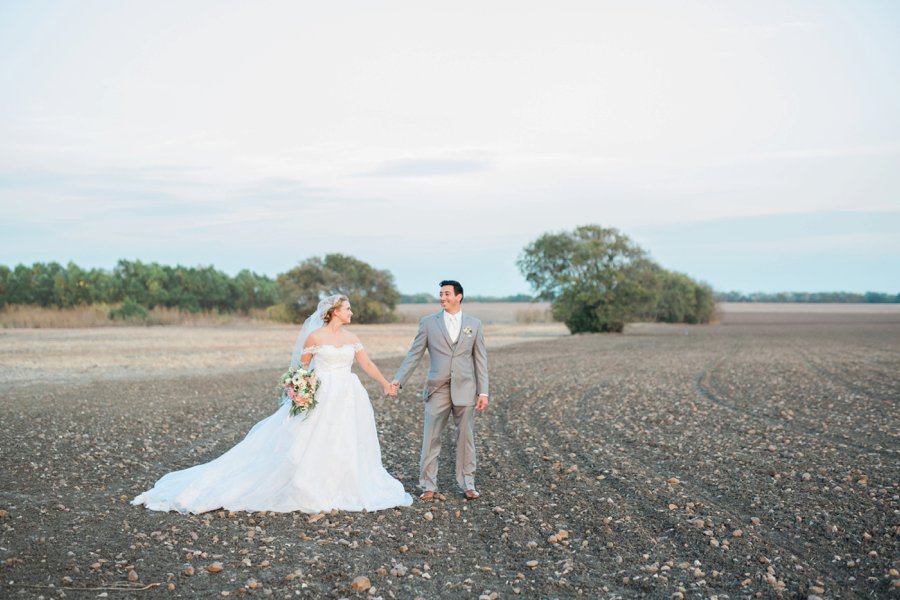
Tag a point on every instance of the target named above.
point(428, 167)
point(834, 152)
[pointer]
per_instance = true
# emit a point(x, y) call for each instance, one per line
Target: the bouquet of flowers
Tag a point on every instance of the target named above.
point(299, 385)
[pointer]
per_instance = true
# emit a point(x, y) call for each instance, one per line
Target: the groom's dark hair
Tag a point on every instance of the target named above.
point(457, 287)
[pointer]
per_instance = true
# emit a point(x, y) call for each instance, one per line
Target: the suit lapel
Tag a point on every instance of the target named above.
point(443, 327)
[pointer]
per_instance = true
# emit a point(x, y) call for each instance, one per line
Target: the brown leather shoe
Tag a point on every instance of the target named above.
point(427, 495)
point(472, 495)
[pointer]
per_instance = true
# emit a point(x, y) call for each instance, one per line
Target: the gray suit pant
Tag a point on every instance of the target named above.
point(438, 408)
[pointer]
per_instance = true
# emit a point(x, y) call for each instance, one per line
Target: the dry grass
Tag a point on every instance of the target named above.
point(534, 314)
point(36, 317)
point(491, 313)
point(173, 316)
point(97, 315)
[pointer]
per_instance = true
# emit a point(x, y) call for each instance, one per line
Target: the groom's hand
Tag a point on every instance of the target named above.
point(395, 386)
point(482, 402)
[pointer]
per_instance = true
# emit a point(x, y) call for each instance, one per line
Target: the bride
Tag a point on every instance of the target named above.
point(324, 459)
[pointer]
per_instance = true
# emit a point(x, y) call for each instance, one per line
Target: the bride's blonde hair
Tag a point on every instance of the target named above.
point(337, 304)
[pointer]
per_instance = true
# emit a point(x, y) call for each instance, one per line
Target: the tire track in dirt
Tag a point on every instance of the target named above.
point(707, 500)
point(635, 499)
point(869, 403)
point(711, 496)
point(707, 390)
point(854, 386)
point(654, 526)
point(580, 559)
point(723, 507)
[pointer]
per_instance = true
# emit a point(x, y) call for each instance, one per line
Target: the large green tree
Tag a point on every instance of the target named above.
point(598, 280)
point(372, 292)
point(596, 277)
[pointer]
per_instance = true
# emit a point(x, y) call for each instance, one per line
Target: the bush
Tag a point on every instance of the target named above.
point(598, 280)
point(281, 313)
point(129, 311)
point(372, 292)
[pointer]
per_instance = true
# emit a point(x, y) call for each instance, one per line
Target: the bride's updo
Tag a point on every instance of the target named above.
point(330, 312)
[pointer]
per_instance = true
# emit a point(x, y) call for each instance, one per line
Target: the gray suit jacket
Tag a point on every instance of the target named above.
point(463, 364)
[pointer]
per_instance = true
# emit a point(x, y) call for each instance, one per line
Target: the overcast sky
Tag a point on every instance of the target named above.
point(752, 145)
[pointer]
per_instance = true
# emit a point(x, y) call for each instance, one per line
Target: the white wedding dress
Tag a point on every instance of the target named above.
point(328, 458)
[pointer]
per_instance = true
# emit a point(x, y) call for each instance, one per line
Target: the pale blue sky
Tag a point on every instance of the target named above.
point(753, 145)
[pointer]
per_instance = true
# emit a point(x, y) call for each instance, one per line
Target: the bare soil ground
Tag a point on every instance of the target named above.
point(747, 459)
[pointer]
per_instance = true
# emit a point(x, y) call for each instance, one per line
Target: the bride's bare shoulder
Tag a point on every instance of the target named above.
point(315, 338)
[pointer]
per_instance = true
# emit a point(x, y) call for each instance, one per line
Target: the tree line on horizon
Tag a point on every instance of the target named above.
point(135, 283)
point(192, 289)
point(810, 297)
point(596, 279)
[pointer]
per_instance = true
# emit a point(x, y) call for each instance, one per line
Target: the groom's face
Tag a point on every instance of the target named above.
point(449, 300)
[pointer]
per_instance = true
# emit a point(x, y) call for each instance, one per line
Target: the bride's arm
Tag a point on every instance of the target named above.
point(372, 371)
point(307, 357)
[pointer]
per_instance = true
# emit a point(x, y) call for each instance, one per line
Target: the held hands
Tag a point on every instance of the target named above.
point(393, 390)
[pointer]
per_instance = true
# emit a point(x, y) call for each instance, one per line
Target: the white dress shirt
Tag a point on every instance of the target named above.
point(453, 324)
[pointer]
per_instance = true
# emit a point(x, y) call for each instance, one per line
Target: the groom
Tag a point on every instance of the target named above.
point(457, 383)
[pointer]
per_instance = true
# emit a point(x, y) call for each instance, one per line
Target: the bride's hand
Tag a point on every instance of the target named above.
point(389, 391)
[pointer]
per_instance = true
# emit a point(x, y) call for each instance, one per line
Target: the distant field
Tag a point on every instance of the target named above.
point(31, 317)
point(30, 356)
point(35, 317)
point(767, 312)
point(488, 312)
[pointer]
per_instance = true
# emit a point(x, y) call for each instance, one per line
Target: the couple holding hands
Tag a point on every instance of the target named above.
point(331, 458)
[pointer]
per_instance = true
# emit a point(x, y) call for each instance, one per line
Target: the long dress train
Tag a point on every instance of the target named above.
point(328, 458)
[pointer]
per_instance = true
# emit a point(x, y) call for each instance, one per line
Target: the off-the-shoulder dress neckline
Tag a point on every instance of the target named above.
point(355, 344)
